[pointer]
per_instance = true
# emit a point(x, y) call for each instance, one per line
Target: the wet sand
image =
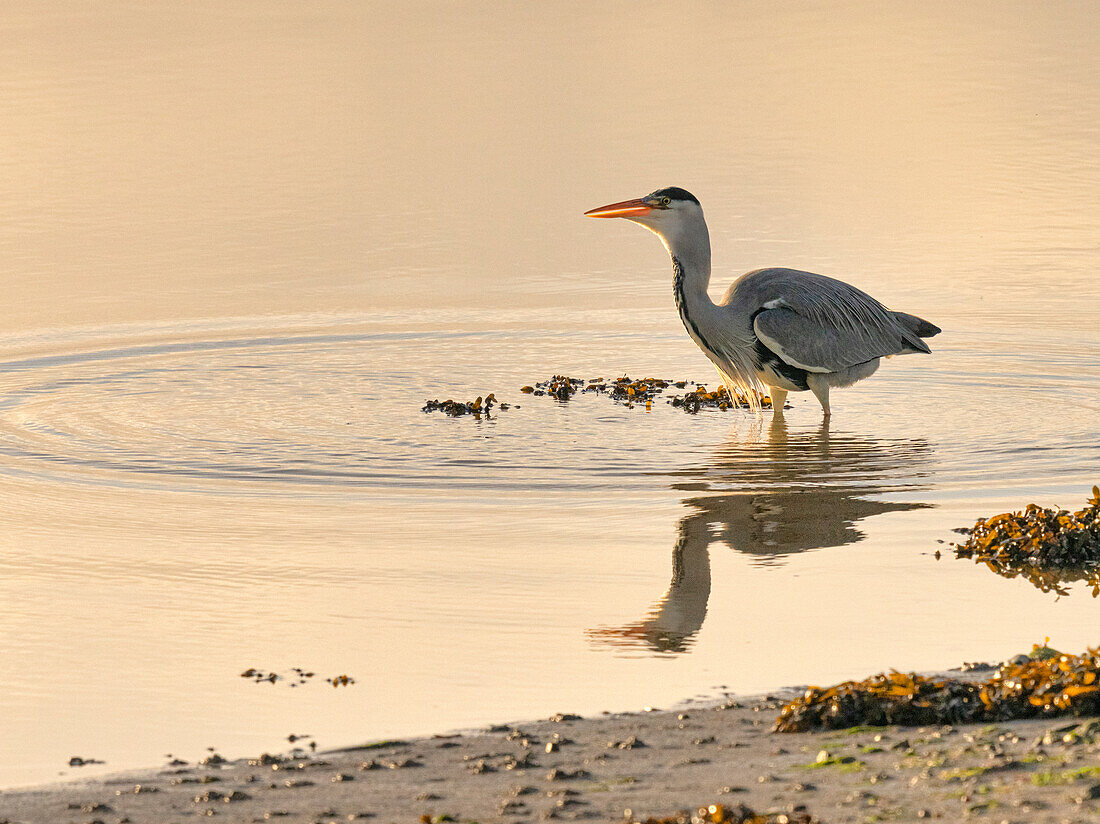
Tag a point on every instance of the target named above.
point(611, 767)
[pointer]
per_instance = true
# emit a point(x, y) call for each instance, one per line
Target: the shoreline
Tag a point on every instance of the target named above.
point(650, 763)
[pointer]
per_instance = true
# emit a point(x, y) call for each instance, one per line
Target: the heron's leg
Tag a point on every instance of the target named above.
point(820, 387)
point(779, 398)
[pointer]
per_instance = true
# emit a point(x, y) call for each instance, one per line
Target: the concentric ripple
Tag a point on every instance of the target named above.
point(288, 409)
point(342, 409)
point(324, 411)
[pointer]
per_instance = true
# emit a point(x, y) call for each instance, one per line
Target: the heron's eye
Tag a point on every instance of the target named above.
point(665, 201)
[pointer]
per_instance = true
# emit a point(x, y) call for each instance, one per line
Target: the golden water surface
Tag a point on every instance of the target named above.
point(241, 243)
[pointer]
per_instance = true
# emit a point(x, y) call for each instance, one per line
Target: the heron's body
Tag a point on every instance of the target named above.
point(784, 329)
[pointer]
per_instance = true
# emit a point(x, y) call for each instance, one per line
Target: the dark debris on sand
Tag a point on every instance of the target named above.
point(477, 407)
point(1052, 685)
point(728, 814)
point(643, 391)
point(1048, 547)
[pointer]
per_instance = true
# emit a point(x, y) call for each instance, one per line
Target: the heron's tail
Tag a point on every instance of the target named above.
point(918, 326)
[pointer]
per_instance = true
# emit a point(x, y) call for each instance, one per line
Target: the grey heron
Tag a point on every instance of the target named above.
point(784, 329)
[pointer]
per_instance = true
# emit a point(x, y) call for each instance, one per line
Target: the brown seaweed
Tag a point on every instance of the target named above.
point(476, 407)
point(721, 398)
point(1043, 686)
point(642, 392)
point(295, 678)
point(1048, 547)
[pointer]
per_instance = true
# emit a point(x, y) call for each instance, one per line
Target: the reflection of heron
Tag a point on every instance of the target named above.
point(671, 623)
point(790, 515)
point(783, 328)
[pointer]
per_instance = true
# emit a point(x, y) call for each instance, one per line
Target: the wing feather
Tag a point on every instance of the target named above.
point(821, 324)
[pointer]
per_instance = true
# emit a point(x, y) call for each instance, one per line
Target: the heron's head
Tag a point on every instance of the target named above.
point(666, 212)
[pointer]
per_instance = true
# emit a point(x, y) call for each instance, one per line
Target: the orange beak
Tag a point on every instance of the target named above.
point(628, 208)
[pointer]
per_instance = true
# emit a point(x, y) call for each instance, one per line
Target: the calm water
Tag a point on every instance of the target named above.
point(242, 244)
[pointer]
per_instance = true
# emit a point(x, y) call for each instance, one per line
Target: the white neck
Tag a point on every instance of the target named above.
point(688, 242)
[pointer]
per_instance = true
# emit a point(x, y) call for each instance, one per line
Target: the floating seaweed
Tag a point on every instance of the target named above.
point(629, 391)
point(258, 675)
point(626, 390)
point(721, 398)
point(1039, 687)
point(1048, 547)
point(296, 677)
point(642, 391)
point(727, 814)
point(477, 407)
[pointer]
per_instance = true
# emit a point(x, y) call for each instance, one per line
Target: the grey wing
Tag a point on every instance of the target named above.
point(824, 325)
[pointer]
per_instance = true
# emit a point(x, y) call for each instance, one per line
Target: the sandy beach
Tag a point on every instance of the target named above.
point(629, 766)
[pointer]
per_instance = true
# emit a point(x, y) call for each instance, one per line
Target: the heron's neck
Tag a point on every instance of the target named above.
point(690, 251)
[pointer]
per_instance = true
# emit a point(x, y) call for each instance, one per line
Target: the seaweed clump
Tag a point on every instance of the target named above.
point(1042, 687)
point(630, 391)
point(1048, 547)
point(476, 407)
point(625, 390)
point(731, 814)
point(296, 678)
point(561, 387)
point(721, 398)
